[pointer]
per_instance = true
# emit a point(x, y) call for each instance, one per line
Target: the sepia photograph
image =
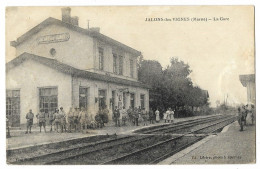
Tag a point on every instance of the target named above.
point(130, 85)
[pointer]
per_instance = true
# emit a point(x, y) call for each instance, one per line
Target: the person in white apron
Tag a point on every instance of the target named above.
point(157, 114)
point(168, 113)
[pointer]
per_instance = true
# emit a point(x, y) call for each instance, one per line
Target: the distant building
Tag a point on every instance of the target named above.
point(59, 63)
point(248, 81)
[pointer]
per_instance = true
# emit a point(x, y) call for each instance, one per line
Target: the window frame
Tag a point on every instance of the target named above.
point(101, 58)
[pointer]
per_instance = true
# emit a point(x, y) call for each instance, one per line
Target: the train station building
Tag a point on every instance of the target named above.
point(58, 63)
point(248, 81)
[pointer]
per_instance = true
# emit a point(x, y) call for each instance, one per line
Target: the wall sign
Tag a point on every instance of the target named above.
point(53, 38)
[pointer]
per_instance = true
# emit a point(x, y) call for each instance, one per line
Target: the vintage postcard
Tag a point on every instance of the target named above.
point(162, 85)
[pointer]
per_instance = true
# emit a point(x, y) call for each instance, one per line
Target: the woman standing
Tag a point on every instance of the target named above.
point(165, 117)
point(157, 114)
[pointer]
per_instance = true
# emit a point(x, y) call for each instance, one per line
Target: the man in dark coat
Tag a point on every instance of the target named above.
point(29, 117)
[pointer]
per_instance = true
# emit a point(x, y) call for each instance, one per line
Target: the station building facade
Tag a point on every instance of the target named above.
point(58, 63)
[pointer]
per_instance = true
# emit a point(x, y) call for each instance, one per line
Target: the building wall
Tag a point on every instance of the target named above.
point(108, 61)
point(93, 87)
point(77, 51)
point(30, 75)
point(251, 92)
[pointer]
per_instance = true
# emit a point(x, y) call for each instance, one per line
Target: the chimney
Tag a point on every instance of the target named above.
point(66, 14)
point(75, 20)
point(95, 29)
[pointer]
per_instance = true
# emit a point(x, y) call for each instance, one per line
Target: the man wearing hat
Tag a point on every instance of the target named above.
point(63, 119)
point(75, 118)
point(29, 117)
point(42, 121)
point(70, 118)
point(57, 119)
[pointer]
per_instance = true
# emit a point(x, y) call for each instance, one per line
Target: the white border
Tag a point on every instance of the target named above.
point(3, 4)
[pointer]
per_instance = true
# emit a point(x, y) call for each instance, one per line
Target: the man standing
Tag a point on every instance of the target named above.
point(151, 114)
point(82, 118)
point(136, 115)
point(124, 116)
point(70, 119)
point(57, 120)
point(51, 119)
point(240, 119)
point(29, 117)
point(75, 118)
point(63, 120)
point(116, 116)
point(42, 122)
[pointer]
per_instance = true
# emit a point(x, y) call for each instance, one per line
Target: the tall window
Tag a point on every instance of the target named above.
point(120, 69)
point(132, 100)
point(48, 99)
point(115, 63)
point(102, 98)
point(83, 97)
point(131, 68)
point(101, 58)
point(13, 107)
point(142, 101)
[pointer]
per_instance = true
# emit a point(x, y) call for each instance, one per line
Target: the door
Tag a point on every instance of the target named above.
point(102, 98)
point(83, 97)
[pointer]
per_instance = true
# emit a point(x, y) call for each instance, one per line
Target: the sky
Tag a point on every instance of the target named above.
point(217, 51)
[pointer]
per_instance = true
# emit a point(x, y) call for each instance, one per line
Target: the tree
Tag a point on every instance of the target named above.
point(150, 72)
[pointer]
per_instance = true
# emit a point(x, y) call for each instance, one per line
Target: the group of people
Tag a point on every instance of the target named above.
point(136, 116)
point(244, 113)
point(78, 119)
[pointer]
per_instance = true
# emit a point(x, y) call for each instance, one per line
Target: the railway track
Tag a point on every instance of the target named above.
point(149, 147)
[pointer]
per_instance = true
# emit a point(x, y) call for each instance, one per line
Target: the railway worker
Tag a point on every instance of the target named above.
point(51, 119)
point(70, 119)
point(57, 120)
point(75, 119)
point(63, 120)
point(29, 116)
point(172, 115)
point(42, 121)
point(157, 114)
point(151, 116)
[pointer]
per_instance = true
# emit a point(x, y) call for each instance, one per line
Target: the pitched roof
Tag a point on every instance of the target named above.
point(246, 78)
point(88, 32)
point(52, 63)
